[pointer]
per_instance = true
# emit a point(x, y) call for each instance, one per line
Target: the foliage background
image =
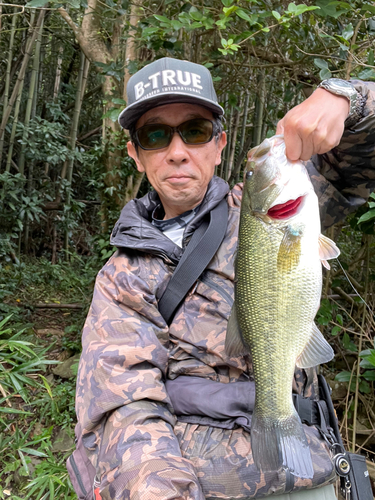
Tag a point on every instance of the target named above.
point(65, 175)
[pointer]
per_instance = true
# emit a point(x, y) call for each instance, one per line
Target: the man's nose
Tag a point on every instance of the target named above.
point(177, 150)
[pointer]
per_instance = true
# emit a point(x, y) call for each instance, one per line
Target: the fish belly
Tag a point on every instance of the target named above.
point(276, 309)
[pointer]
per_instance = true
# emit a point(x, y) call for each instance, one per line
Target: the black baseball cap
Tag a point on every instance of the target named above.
point(168, 81)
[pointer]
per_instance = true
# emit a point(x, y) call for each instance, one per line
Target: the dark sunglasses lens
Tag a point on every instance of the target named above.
point(196, 131)
point(154, 136)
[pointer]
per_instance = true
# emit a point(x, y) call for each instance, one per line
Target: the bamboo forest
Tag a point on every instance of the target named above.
point(65, 175)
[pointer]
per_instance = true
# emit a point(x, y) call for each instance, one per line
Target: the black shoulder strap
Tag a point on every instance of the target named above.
point(199, 252)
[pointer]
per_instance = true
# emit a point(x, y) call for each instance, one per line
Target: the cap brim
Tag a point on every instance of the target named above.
point(133, 112)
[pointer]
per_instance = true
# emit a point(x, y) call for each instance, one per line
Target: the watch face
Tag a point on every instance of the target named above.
point(335, 85)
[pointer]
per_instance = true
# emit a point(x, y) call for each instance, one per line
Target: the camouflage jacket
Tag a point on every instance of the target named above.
point(129, 428)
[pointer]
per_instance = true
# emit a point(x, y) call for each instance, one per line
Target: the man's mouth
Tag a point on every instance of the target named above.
point(285, 210)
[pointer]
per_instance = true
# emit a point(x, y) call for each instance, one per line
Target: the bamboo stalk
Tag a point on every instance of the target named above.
point(14, 128)
point(30, 99)
point(234, 138)
point(73, 139)
point(224, 174)
point(259, 111)
point(7, 76)
point(244, 120)
point(21, 74)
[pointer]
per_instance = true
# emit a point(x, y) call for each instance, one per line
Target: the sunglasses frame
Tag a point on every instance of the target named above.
point(174, 130)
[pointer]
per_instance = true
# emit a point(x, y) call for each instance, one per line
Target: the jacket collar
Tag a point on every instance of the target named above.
point(134, 230)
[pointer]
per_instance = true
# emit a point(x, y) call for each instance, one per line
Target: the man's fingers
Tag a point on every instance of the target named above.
point(280, 127)
point(293, 145)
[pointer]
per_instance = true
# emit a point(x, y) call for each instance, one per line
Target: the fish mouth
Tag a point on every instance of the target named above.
point(285, 210)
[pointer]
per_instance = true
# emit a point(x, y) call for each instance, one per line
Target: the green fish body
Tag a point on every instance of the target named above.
point(277, 295)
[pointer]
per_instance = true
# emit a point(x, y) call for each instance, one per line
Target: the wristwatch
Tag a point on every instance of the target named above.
point(346, 89)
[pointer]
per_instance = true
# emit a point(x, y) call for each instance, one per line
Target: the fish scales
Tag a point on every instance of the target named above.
point(277, 294)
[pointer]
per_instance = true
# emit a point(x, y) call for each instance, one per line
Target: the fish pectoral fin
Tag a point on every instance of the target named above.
point(234, 344)
point(327, 248)
point(316, 351)
point(290, 249)
point(325, 264)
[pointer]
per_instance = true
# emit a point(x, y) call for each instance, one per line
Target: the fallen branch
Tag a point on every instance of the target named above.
point(52, 306)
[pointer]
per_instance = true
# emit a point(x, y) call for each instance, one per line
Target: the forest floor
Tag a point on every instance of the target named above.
point(40, 342)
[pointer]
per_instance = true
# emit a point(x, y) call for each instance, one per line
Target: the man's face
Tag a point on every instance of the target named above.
point(180, 172)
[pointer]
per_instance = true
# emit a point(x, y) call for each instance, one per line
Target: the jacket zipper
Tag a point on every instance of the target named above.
point(78, 475)
point(218, 288)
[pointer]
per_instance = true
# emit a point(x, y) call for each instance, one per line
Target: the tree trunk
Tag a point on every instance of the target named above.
point(56, 86)
point(72, 143)
point(134, 180)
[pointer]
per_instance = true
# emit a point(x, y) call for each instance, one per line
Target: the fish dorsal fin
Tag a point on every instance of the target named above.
point(234, 344)
point(290, 249)
point(316, 351)
point(327, 248)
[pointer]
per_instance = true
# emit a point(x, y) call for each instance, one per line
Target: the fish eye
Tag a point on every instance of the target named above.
point(249, 174)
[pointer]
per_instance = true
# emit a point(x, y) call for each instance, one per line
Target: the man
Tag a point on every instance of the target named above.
point(152, 400)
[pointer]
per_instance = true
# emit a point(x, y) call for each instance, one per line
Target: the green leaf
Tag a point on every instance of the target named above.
point(367, 216)
point(369, 375)
point(302, 8)
point(117, 100)
point(348, 343)
point(325, 73)
point(112, 114)
point(321, 63)
point(176, 25)
point(243, 15)
point(339, 319)
point(343, 376)
point(276, 15)
point(74, 3)
point(226, 3)
point(230, 10)
point(364, 387)
point(367, 74)
point(292, 7)
point(369, 356)
point(348, 32)
point(365, 7)
point(162, 19)
point(13, 410)
point(35, 4)
point(335, 330)
point(31, 451)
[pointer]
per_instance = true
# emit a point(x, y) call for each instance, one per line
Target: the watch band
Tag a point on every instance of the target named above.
point(346, 89)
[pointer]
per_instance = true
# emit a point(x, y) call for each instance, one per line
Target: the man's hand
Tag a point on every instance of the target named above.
point(315, 126)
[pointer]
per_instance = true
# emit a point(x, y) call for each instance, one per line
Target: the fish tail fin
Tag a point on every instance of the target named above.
point(279, 443)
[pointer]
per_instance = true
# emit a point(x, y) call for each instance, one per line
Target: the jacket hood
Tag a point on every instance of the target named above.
point(135, 231)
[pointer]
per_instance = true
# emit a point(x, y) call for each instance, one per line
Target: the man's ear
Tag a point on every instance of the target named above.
point(132, 152)
point(220, 146)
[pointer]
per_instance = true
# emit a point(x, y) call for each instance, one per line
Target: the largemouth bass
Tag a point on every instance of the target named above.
point(277, 294)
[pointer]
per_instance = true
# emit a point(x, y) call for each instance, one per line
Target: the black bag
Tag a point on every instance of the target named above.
point(355, 481)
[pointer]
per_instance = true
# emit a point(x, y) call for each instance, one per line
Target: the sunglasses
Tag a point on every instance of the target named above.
point(158, 135)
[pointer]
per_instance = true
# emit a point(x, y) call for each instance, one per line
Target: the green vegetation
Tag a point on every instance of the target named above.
point(65, 175)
